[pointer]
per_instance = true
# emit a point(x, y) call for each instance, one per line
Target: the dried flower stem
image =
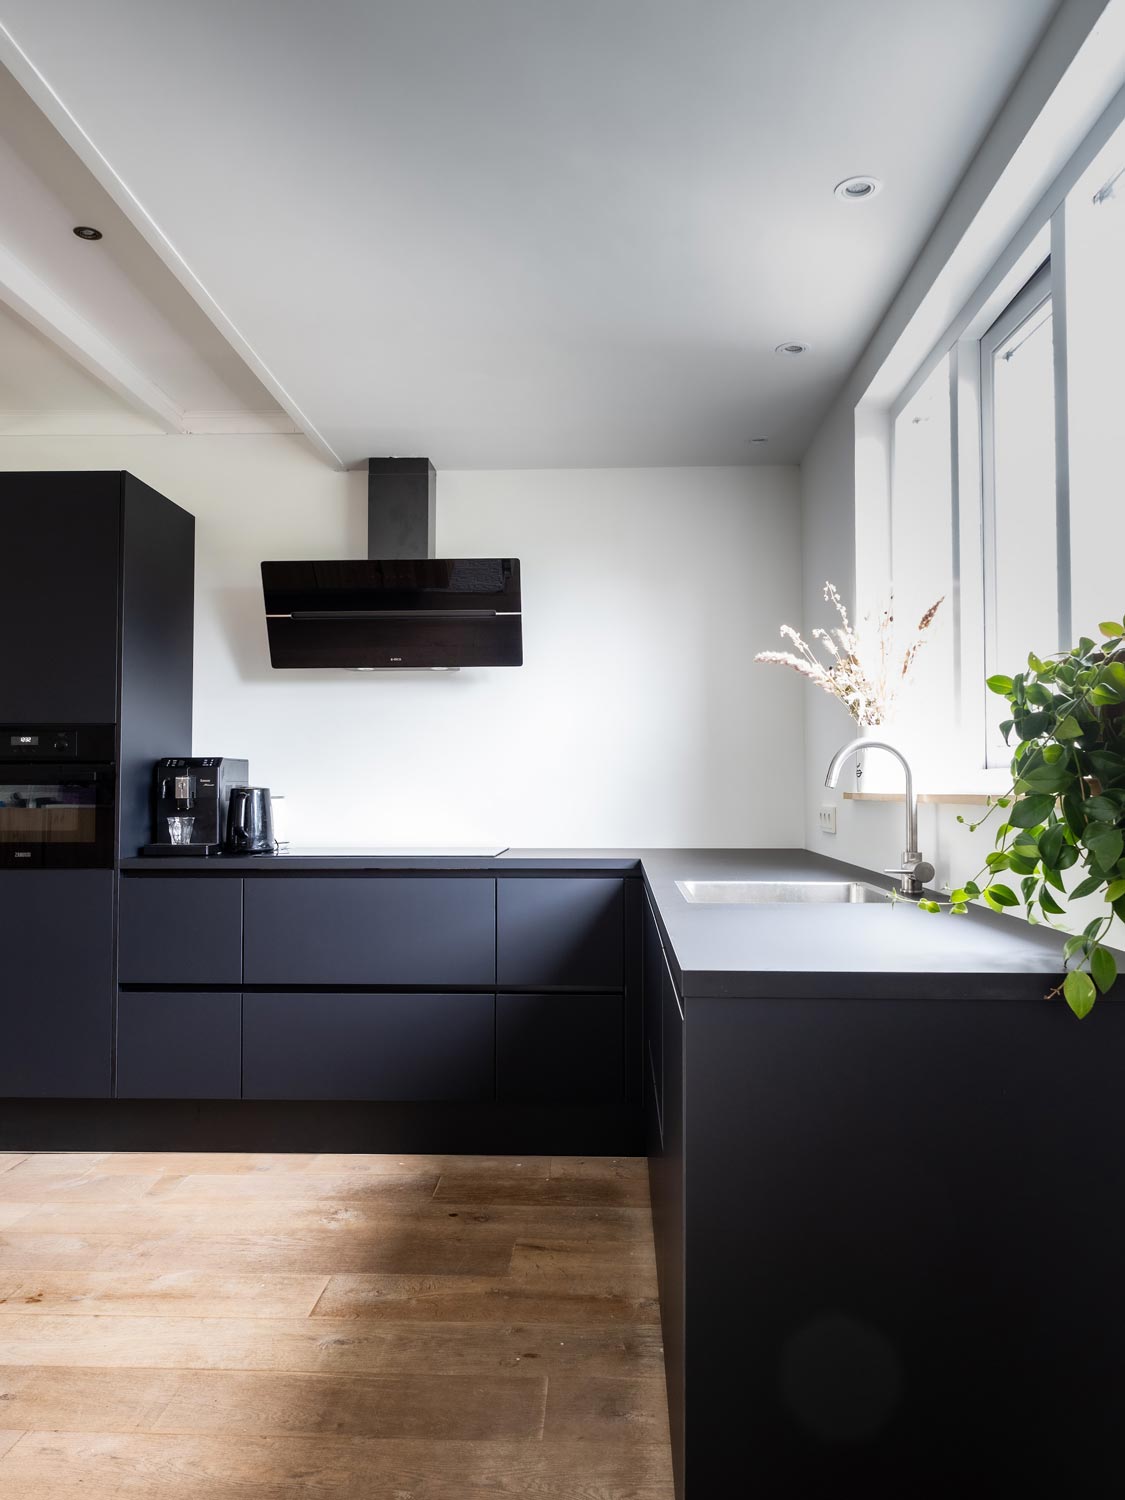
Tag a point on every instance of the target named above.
point(867, 695)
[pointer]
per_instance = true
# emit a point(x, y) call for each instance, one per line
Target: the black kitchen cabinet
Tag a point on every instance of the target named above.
point(391, 930)
point(179, 1045)
point(59, 588)
point(560, 1049)
point(56, 992)
point(180, 929)
point(664, 1028)
point(560, 931)
point(364, 1046)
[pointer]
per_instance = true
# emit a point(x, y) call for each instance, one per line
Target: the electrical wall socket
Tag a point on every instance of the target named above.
point(827, 818)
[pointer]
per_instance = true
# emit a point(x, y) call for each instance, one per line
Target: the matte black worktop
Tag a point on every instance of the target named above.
point(746, 951)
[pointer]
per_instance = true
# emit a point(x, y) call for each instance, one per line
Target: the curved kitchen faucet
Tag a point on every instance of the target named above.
point(913, 871)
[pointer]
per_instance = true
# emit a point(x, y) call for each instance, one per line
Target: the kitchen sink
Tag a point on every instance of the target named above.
point(778, 892)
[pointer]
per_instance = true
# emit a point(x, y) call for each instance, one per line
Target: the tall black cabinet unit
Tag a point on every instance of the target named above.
point(97, 575)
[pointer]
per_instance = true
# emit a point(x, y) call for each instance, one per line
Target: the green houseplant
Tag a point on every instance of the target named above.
point(1066, 805)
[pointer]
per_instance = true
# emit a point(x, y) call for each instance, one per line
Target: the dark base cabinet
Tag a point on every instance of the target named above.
point(330, 1046)
point(561, 1048)
point(181, 1045)
point(890, 1236)
point(56, 983)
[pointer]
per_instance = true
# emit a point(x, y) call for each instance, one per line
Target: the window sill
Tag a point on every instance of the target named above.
point(956, 799)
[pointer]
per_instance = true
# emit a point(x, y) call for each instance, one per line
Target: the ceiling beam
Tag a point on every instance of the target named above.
point(33, 82)
point(45, 310)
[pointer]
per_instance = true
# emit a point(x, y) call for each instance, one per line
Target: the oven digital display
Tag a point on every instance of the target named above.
point(25, 741)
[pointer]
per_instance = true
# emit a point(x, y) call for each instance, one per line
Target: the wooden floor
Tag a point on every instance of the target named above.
point(394, 1328)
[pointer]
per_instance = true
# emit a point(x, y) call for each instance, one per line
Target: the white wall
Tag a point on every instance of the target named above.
point(638, 718)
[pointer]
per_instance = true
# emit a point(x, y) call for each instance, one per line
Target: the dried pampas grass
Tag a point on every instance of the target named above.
point(868, 693)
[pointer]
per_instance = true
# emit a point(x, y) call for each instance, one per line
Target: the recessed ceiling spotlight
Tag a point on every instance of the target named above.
point(858, 189)
point(792, 348)
point(85, 232)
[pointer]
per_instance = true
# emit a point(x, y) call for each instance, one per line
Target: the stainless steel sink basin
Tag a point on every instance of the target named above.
point(778, 892)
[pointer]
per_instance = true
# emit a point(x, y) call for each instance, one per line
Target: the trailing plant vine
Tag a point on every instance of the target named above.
point(1066, 805)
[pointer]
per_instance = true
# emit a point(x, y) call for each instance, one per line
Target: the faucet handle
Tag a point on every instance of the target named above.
point(913, 872)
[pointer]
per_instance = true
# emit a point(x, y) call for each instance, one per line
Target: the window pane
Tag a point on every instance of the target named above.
point(922, 568)
point(1095, 313)
point(1022, 563)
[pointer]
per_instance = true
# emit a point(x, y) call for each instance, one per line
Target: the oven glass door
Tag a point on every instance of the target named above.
point(56, 816)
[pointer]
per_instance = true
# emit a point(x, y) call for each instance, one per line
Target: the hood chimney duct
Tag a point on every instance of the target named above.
point(401, 509)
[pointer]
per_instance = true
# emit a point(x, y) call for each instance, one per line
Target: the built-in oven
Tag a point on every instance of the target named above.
point(57, 796)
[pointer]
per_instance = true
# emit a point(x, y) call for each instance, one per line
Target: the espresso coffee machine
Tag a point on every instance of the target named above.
point(191, 803)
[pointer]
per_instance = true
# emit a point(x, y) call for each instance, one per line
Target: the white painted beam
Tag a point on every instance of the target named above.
point(21, 67)
point(46, 311)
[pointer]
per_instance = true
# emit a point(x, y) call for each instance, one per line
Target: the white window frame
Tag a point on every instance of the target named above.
point(1040, 238)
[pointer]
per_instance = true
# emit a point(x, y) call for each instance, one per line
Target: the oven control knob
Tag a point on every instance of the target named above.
point(61, 742)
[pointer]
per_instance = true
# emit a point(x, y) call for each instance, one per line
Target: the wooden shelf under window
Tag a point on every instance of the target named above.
point(958, 799)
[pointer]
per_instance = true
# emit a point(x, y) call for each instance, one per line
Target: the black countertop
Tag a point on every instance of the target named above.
point(741, 952)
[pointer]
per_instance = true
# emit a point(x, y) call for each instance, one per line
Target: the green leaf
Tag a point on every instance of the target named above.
point(1049, 779)
point(1051, 844)
point(1031, 810)
point(1052, 877)
point(1105, 844)
point(1103, 966)
point(1111, 629)
point(972, 888)
point(1049, 904)
point(1087, 887)
point(1114, 672)
point(999, 684)
point(930, 906)
point(1069, 729)
point(1033, 662)
point(958, 909)
point(1072, 946)
point(1114, 892)
point(1102, 808)
point(1003, 895)
point(1080, 993)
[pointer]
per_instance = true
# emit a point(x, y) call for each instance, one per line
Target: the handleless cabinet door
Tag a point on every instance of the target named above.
point(56, 983)
point(180, 929)
point(179, 1045)
point(560, 931)
point(371, 930)
point(565, 1049)
point(59, 597)
point(332, 1046)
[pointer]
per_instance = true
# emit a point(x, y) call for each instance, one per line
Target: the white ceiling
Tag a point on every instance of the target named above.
point(524, 232)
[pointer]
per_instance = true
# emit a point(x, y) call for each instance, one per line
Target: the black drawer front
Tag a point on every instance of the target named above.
point(560, 1049)
point(181, 930)
point(179, 1045)
point(331, 1046)
point(386, 930)
point(560, 931)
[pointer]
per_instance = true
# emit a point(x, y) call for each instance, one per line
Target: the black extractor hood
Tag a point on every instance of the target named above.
point(401, 609)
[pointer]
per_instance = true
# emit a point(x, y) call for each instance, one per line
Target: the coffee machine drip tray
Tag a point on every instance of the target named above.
point(180, 851)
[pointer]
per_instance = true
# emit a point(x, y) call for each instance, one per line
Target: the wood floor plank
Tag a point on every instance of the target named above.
point(24, 1184)
point(435, 1407)
point(359, 1187)
point(57, 1163)
point(459, 1186)
point(606, 1409)
point(413, 1248)
point(486, 1299)
point(200, 1294)
point(8, 1161)
point(326, 1346)
point(127, 1466)
point(592, 1268)
point(8, 1439)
